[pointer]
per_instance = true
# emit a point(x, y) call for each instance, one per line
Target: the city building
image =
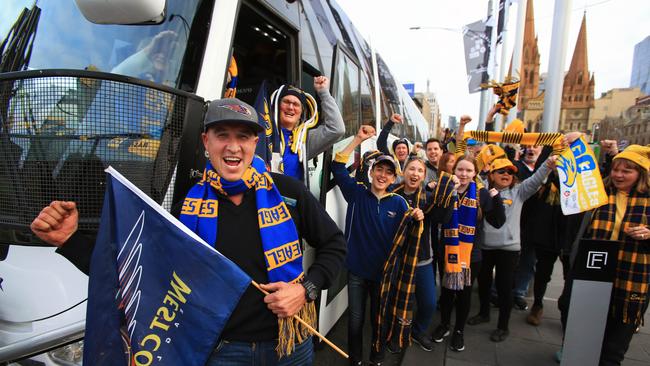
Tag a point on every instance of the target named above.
point(613, 103)
point(430, 109)
point(641, 66)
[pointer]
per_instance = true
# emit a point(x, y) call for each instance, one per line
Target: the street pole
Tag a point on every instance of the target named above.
point(518, 48)
point(500, 122)
point(485, 93)
point(555, 80)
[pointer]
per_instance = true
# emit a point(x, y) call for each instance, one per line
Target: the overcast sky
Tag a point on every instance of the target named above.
point(613, 28)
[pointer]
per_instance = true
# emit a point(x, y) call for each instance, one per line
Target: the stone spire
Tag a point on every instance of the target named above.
point(578, 90)
point(529, 73)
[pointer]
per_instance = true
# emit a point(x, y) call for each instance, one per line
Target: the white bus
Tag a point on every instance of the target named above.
point(77, 96)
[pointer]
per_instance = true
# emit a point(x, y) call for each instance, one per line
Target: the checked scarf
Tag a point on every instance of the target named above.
point(459, 240)
point(630, 292)
point(532, 138)
point(280, 240)
point(397, 285)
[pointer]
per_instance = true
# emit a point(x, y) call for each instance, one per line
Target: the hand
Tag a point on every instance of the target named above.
point(493, 192)
point(456, 181)
point(610, 146)
point(432, 184)
point(465, 119)
point(396, 118)
point(495, 109)
point(570, 137)
point(417, 214)
point(321, 83)
point(56, 223)
point(285, 299)
point(550, 162)
point(365, 132)
point(640, 232)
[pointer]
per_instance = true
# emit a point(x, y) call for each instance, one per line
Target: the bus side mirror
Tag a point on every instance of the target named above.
point(122, 11)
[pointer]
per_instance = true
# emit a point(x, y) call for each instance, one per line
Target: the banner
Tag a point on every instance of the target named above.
point(477, 37)
point(581, 186)
point(157, 293)
point(262, 106)
point(501, 19)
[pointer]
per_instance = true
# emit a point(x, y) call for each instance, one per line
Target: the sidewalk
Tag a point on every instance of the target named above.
point(527, 345)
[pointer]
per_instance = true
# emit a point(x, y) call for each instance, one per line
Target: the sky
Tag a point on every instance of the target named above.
point(436, 54)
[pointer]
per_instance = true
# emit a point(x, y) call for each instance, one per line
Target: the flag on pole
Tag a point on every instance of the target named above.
point(477, 37)
point(501, 19)
point(158, 294)
point(262, 105)
point(581, 186)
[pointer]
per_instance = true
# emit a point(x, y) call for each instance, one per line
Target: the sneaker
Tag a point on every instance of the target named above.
point(457, 341)
point(393, 348)
point(478, 319)
point(440, 333)
point(422, 341)
point(535, 316)
point(520, 303)
point(499, 335)
point(356, 363)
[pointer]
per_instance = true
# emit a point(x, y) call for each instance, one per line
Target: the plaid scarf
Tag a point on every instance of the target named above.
point(398, 285)
point(532, 138)
point(630, 293)
point(280, 241)
point(459, 240)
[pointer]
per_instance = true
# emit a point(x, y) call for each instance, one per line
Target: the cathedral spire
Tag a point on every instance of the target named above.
point(579, 62)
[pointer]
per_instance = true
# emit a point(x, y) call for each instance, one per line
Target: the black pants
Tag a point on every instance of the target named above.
point(463, 301)
point(506, 263)
point(544, 269)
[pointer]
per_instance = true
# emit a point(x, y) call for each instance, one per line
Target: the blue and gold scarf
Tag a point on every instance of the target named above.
point(459, 240)
point(280, 241)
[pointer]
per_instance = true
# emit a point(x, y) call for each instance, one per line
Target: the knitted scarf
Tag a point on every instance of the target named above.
point(293, 156)
point(398, 284)
point(630, 292)
point(459, 240)
point(533, 138)
point(280, 241)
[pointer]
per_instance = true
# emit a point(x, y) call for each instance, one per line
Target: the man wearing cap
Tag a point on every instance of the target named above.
point(400, 147)
point(295, 116)
point(372, 219)
point(238, 181)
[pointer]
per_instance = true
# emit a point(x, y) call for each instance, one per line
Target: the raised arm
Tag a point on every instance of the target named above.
point(383, 135)
point(341, 175)
point(461, 144)
point(331, 126)
point(529, 186)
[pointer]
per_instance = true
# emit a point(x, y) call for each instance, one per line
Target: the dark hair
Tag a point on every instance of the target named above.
point(433, 139)
point(404, 141)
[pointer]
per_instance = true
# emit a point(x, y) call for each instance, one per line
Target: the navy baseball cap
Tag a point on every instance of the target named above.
point(386, 159)
point(231, 110)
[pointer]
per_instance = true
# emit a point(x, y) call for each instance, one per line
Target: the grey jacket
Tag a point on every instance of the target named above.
point(508, 236)
point(330, 127)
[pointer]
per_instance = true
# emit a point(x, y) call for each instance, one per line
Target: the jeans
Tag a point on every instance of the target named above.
point(425, 296)
point(525, 270)
point(229, 353)
point(359, 289)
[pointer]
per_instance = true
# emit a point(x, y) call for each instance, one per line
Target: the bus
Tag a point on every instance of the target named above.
point(87, 84)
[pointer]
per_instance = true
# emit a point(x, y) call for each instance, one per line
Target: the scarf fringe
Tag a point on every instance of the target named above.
point(291, 332)
point(457, 281)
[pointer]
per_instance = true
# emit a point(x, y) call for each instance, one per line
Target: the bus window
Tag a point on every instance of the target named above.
point(346, 91)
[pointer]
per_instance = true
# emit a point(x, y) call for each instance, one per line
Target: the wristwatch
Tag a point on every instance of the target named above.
point(311, 291)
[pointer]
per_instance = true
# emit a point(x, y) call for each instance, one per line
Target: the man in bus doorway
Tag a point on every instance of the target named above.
point(253, 332)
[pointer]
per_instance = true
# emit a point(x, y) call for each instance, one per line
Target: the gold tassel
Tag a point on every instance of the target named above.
point(291, 332)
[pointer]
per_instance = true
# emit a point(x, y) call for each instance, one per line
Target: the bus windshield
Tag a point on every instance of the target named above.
point(55, 35)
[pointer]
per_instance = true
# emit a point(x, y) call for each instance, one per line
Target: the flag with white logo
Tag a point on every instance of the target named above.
point(158, 294)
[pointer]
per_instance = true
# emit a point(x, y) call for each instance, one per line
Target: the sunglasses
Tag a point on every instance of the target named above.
point(505, 171)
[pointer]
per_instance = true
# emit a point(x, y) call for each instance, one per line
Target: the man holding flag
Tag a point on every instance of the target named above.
point(235, 195)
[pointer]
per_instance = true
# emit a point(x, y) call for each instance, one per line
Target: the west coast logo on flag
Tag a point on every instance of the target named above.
point(581, 186)
point(158, 294)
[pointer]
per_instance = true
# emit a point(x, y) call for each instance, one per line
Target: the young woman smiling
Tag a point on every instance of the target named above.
point(490, 207)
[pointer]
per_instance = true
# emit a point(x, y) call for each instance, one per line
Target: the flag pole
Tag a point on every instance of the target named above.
point(311, 329)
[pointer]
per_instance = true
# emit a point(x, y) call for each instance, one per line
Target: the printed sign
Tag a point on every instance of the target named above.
point(581, 186)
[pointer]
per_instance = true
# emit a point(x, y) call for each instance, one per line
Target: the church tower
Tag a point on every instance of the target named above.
point(529, 73)
point(578, 90)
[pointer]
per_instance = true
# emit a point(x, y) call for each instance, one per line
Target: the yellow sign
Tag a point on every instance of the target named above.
point(581, 186)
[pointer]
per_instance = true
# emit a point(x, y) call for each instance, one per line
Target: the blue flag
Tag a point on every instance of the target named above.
point(263, 108)
point(158, 294)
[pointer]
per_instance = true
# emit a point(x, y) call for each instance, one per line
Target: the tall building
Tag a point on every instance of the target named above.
point(578, 89)
point(430, 109)
point(613, 103)
point(641, 66)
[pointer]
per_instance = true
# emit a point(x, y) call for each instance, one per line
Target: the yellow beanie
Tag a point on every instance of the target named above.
point(637, 154)
point(516, 126)
point(488, 154)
